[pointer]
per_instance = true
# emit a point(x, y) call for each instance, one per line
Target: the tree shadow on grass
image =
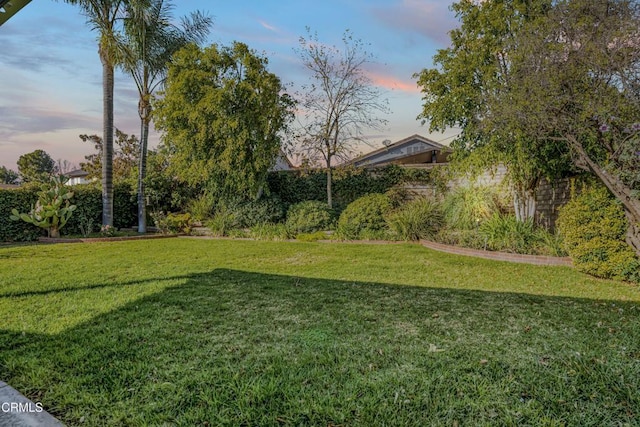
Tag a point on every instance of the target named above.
point(240, 348)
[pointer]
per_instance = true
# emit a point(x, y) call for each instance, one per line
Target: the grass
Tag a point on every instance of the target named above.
point(208, 332)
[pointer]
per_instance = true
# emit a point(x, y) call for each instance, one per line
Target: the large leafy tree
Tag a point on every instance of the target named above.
point(151, 38)
point(340, 103)
point(125, 156)
point(223, 115)
point(576, 84)
point(477, 65)
point(8, 176)
point(37, 166)
point(103, 16)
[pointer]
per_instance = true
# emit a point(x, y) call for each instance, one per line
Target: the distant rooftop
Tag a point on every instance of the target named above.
point(8, 8)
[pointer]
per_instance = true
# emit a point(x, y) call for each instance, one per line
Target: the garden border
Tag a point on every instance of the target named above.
point(499, 256)
point(102, 239)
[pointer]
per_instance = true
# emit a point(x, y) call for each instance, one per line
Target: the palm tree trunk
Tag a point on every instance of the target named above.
point(142, 173)
point(107, 149)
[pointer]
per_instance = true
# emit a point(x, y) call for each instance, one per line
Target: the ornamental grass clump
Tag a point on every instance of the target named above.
point(52, 210)
point(465, 208)
point(419, 219)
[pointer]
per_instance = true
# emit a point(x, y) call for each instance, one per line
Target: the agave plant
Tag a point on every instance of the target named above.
point(52, 210)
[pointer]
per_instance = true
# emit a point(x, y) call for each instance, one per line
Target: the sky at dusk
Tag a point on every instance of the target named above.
point(51, 85)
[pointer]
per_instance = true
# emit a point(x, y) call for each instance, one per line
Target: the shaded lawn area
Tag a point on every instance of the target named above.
point(208, 332)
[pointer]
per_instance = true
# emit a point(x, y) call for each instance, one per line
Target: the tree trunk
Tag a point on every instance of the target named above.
point(107, 149)
point(54, 232)
point(524, 203)
point(142, 166)
point(329, 195)
point(618, 189)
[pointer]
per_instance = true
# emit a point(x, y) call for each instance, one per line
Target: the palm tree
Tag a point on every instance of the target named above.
point(150, 41)
point(102, 16)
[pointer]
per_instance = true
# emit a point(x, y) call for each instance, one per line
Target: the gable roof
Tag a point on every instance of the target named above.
point(77, 173)
point(11, 7)
point(425, 143)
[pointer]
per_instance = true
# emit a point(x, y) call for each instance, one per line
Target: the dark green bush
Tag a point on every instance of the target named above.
point(419, 219)
point(18, 231)
point(348, 183)
point(593, 226)
point(309, 216)
point(246, 214)
point(364, 216)
point(87, 198)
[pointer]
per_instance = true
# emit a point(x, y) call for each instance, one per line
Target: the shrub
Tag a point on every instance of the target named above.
point(246, 214)
point(593, 226)
point(551, 244)
point(172, 222)
point(269, 231)
point(366, 214)
point(349, 183)
point(160, 221)
point(17, 231)
point(507, 234)
point(222, 223)
point(179, 223)
point(466, 238)
point(52, 210)
point(87, 198)
point(107, 231)
point(418, 219)
point(309, 216)
point(398, 196)
point(201, 208)
point(466, 208)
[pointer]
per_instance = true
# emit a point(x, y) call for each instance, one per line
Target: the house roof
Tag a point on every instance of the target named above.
point(409, 140)
point(8, 8)
point(77, 173)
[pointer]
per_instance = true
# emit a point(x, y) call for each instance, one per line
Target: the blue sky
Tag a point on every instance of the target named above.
point(51, 85)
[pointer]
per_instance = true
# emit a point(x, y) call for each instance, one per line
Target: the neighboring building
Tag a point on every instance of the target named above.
point(77, 177)
point(8, 8)
point(282, 163)
point(414, 151)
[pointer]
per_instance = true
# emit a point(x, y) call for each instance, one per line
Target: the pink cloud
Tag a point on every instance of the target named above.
point(267, 26)
point(390, 82)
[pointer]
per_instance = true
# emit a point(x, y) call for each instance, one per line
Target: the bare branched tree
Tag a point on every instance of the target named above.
point(340, 103)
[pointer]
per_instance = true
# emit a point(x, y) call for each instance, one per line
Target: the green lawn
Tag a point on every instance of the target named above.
point(218, 332)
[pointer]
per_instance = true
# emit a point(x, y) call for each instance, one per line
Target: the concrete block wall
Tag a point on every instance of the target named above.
point(550, 196)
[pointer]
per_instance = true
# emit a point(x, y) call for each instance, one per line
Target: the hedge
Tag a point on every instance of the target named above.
point(88, 198)
point(349, 184)
point(18, 231)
